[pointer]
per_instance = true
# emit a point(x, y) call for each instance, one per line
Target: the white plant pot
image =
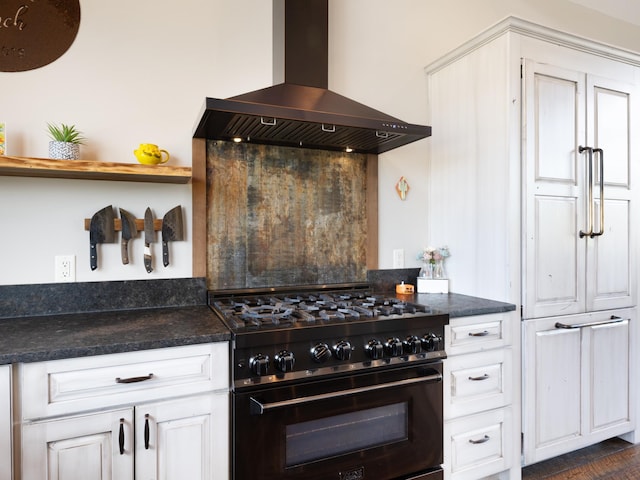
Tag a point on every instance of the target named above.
point(64, 150)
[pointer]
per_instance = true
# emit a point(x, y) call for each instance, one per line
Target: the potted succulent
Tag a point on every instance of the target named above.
point(66, 141)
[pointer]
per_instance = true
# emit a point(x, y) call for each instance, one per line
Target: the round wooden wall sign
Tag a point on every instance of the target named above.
point(34, 33)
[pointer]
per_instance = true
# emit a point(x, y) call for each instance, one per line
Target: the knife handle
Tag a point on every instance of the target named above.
point(124, 250)
point(165, 253)
point(147, 258)
point(93, 256)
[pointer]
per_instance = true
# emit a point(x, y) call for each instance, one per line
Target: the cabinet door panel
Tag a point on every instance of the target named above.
point(556, 125)
point(609, 106)
point(608, 348)
point(610, 284)
point(553, 104)
point(557, 385)
point(557, 252)
point(79, 448)
point(188, 438)
point(611, 257)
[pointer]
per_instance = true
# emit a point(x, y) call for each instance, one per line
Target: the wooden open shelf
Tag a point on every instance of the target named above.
point(92, 170)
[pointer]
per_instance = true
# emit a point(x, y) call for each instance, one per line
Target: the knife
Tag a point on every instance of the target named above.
point(149, 238)
point(172, 230)
point(101, 230)
point(129, 231)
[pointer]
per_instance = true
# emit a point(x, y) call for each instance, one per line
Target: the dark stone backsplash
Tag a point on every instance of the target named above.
point(386, 280)
point(62, 298)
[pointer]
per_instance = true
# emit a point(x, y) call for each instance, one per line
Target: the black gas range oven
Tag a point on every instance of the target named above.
point(334, 382)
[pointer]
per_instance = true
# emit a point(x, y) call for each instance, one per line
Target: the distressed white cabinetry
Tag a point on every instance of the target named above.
point(578, 371)
point(512, 185)
point(5, 423)
point(478, 396)
point(156, 414)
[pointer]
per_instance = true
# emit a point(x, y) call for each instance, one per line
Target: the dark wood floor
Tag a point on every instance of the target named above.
point(614, 459)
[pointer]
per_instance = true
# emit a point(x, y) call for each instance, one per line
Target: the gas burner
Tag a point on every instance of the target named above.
point(308, 308)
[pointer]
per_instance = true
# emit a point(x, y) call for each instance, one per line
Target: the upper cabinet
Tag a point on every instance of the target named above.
point(578, 200)
point(512, 182)
point(89, 170)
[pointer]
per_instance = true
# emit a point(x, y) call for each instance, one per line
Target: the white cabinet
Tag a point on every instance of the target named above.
point(511, 109)
point(157, 414)
point(569, 271)
point(5, 423)
point(578, 370)
point(479, 433)
point(79, 447)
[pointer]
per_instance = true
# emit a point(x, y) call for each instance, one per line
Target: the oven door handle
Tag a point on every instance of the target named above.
point(256, 407)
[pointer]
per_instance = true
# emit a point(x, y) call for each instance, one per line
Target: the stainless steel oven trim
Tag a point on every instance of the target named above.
point(259, 408)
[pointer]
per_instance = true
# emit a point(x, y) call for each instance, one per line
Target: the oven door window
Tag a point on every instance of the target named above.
point(336, 435)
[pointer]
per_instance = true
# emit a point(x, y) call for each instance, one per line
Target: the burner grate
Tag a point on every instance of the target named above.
point(289, 310)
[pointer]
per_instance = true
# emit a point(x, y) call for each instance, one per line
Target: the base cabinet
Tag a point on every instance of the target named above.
point(157, 415)
point(5, 423)
point(164, 440)
point(480, 436)
point(579, 375)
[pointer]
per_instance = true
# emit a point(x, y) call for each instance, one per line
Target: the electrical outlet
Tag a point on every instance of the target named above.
point(65, 268)
point(398, 258)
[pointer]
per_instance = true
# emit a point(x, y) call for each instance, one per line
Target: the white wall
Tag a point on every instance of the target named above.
point(139, 72)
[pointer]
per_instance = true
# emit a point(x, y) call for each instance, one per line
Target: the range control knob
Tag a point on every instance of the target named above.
point(320, 353)
point(259, 364)
point(284, 361)
point(374, 349)
point(393, 347)
point(342, 350)
point(431, 342)
point(412, 344)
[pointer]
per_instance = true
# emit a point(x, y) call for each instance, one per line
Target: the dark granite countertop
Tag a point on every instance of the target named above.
point(457, 305)
point(54, 321)
point(35, 339)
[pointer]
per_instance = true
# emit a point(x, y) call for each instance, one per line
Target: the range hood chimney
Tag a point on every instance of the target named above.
point(301, 111)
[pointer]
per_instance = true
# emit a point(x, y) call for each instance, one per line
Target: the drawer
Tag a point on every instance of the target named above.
point(476, 382)
point(61, 387)
point(474, 334)
point(477, 446)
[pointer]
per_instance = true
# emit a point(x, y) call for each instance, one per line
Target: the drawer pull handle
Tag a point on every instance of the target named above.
point(121, 437)
point(482, 377)
point(482, 440)
point(146, 431)
point(484, 333)
point(134, 379)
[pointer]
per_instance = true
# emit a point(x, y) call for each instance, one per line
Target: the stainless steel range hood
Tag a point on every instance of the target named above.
point(302, 111)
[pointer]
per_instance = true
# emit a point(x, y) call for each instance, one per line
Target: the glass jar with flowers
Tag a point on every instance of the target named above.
point(433, 262)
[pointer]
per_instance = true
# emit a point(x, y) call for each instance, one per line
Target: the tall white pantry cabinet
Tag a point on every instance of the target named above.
point(533, 173)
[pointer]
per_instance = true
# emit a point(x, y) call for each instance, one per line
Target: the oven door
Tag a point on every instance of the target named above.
point(382, 425)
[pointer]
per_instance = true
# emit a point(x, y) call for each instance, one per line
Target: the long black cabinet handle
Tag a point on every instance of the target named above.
point(568, 326)
point(134, 379)
point(121, 436)
point(146, 431)
point(589, 151)
point(600, 153)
